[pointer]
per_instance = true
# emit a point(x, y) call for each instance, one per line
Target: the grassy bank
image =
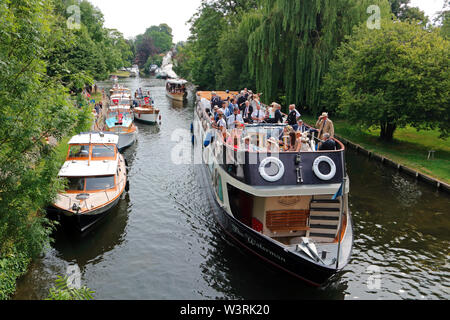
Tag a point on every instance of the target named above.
point(409, 148)
point(121, 74)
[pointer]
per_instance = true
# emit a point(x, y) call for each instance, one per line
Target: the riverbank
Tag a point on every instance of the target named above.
point(19, 248)
point(410, 148)
point(121, 74)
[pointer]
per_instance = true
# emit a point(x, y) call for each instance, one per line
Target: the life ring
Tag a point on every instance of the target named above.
point(277, 162)
point(319, 174)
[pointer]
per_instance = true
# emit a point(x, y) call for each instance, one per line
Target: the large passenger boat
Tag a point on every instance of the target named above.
point(97, 177)
point(176, 89)
point(290, 208)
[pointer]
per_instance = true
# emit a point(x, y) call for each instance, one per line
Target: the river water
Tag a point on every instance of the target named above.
point(161, 242)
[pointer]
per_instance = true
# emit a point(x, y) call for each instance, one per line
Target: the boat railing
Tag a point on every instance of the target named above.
point(85, 203)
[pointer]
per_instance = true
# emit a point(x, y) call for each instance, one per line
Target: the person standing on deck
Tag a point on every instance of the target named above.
point(247, 112)
point(258, 114)
point(293, 115)
point(235, 120)
point(325, 125)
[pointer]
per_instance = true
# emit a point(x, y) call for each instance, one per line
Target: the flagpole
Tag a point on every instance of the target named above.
point(344, 181)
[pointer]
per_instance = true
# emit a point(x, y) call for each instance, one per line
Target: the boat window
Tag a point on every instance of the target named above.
point(75, 184)
point(78, 151)
point(99, 183)
point(103, 151)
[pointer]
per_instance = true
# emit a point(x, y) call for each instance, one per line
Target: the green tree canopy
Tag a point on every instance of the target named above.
point(290, 50)
point(392, 77)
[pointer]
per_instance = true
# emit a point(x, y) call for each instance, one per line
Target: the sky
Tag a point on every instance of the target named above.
point(133, 17)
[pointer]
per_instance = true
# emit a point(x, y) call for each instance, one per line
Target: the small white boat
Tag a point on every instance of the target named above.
point(119, 120)
point(145, 111)
point(97, 177)
point(176, 89)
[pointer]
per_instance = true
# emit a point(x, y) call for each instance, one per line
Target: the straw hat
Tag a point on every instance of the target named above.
point(272, 140)
point(324, 114)
point(247, 138)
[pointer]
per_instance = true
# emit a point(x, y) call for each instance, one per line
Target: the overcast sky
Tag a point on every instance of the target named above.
point(133, 17)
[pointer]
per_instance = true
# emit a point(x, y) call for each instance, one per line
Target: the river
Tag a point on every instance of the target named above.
point(161, 242)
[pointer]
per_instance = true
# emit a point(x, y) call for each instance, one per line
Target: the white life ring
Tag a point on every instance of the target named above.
point(319, 174)
point(277, 162)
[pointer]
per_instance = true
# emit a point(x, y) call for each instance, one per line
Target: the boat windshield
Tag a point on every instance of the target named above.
point(99, 183)
point(90, 183)
point(75, 184)
point(103, 151)
point(79, 151)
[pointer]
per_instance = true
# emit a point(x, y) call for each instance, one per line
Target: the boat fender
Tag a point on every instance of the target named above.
point(277, 162)
point(319, 174)
point(207, 139)
point(192, 127)
point(127, 186)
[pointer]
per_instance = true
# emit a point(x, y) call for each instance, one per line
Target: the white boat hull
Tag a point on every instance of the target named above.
point(127, 139)
point(146, 117)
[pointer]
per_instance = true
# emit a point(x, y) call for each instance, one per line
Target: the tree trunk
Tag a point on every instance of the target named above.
point(387, 131)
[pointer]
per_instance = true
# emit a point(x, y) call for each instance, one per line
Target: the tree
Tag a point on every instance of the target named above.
point(402, 10)
point(290, 49)
point(392, 77)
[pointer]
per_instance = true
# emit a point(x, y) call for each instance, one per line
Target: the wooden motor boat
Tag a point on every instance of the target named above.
point(290, 208)
point(97, 177)
point(176, 89)
point(144, 111)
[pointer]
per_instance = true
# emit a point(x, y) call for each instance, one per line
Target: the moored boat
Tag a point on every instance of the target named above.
point(119, 120)
point(290, 208)
point(176, 89)
point(97, 177)
point(144, 110)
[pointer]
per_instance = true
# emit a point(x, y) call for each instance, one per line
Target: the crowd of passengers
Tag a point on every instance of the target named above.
point(229, 116)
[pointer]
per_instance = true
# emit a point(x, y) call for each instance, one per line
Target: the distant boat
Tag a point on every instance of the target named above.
point(97, 177)
point(176, 89)
point(162, 75)
point(119, 118)
point(153, 68)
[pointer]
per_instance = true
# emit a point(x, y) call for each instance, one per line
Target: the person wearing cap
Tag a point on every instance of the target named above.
point(328, 143)
point(215, 100)
point(300, 126)
point(324, 125)
point(293, 115)
point(235, 120)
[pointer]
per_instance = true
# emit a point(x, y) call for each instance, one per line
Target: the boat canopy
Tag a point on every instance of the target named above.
point(86, 168)
point(95, 137)
point(177, 81)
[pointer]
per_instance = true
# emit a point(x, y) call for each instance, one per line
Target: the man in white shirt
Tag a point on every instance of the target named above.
point(258, 115)
point(235, 120)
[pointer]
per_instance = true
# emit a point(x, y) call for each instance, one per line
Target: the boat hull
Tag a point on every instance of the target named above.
point(150, 118)
point(177, 96)
point(267, 250)
point(83, 221)
point(126, 139)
